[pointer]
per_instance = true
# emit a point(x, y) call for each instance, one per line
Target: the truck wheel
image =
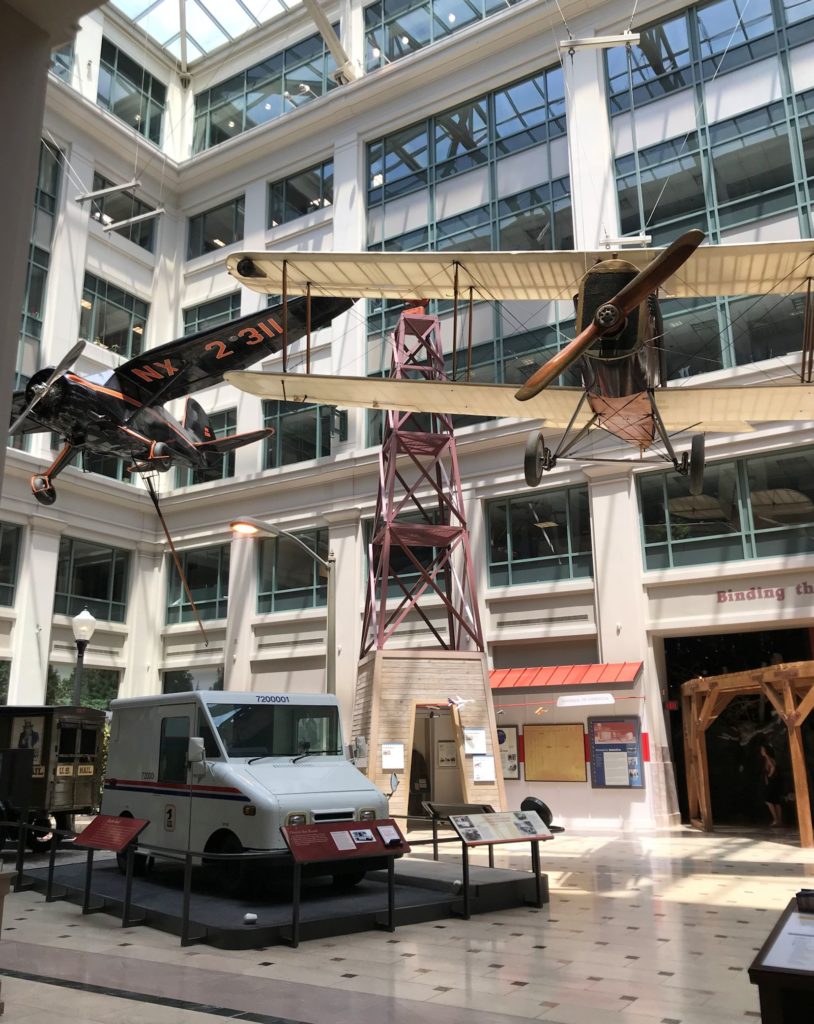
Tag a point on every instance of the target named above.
point(228, 876)
point(348, 878)
point(42, 840)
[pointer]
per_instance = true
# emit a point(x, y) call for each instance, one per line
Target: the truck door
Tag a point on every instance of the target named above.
point(173, 777)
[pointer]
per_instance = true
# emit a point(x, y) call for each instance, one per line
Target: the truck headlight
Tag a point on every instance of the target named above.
point(367, 815)
point(298, 818)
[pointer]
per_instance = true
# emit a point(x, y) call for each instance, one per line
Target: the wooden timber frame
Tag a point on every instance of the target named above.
point(790, 690)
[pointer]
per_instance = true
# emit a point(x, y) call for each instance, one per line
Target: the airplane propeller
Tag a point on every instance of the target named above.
point(611, 315)
point(64, 363)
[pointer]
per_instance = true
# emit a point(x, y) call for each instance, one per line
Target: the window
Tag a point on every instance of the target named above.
point(215, 228)
point(301, 432)
point(263, 730)
point(112, 318)
point(209, 315)
point(131, 93)
point(223, 466)
point(172, 753)
point(659, 63)
point(263, 92)
point(28, 351)
point(5, 672)
point(750, 508)
point(207, 572)
point(122, 206)
point(10, 537)
point(395, 30)
point(288, 578)
point(62, 62)
point(300, 194)
point(188, 679)
point(99, 687)
point(105, 465)
point(540, 537)
point(91, 576)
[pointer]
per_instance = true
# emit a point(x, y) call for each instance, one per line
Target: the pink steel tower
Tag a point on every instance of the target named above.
point(419, 510)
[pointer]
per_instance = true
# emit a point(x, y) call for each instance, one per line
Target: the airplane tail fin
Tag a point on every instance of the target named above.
point(197, 422)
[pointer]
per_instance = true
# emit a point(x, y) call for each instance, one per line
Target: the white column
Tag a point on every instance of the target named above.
point(621, 617)
point(66, 273)
point(239, 639)
point(145, 617)
point(344, 541)
point(34, 604)
point(593, 184)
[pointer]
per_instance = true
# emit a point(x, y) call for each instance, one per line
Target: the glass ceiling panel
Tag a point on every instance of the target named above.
point(210, 23)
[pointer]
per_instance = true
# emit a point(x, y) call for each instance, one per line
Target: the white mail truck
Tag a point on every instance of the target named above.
point(221, 772)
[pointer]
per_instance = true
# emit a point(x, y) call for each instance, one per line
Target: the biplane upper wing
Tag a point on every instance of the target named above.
point(751, 268)
point(726, 410)
point(191, 364)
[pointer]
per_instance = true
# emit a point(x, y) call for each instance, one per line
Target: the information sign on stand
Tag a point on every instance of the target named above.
point(783, 969)
point(343, 841)
point(498, 828)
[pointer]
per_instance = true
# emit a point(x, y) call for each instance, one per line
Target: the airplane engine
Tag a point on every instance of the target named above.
point(55, 394)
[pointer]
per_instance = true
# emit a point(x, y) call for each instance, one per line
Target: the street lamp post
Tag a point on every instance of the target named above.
point(248, 526)
point(83, 626)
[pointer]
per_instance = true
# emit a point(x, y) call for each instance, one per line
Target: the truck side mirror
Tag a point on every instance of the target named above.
point(196, 753)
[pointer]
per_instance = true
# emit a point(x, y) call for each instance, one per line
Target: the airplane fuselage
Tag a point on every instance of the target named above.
point(90, 415)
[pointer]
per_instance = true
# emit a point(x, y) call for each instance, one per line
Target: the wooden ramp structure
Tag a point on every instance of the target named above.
point(391, 685)
point(790, 690)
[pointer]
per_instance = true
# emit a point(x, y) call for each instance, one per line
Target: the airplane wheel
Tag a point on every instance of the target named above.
point(697, 465)
point(537, 459)
point(43, 490)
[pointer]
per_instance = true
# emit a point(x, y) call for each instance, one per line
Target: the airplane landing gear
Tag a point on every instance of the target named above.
point(42, 485)
point(43, 490)
point(692, 465)
point(537, 459)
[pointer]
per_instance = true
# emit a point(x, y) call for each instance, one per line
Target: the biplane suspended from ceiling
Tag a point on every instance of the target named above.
point(618, 350)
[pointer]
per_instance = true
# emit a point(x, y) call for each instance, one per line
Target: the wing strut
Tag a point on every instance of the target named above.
point(807, 357)
point(175, 558)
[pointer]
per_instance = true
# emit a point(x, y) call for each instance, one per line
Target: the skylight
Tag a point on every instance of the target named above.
point(209, 23)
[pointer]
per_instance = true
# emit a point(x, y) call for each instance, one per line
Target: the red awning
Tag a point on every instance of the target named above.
point(622, 673)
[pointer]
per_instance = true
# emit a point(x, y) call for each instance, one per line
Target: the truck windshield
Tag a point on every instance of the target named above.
point(262, 730)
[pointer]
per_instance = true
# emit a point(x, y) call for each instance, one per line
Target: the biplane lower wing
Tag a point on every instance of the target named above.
point(721, 410)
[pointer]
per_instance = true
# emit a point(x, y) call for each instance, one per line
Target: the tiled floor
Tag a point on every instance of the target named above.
point(658, 929)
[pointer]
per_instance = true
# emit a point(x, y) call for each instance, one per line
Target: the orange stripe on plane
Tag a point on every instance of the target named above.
point(103, 390)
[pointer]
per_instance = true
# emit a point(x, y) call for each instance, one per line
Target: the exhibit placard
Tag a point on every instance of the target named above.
point(474, 741)
point(555, 753)
point(483, 768)
point(793, 949)
point(509, 760)
point(616, 752)
point(110, 832)
point(392, 756)
point(343, 840)
point(500, 827)
point(447, 754)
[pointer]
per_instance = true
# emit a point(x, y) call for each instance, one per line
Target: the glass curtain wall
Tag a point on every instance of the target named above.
point(122, 206)
point(131, 93)
point(207, 572)
point(756, 507)
point(10, 537)
point(288, 578)
point(302, 193)
point(397, 28)
point(263, 92)
point(739, 170)
point(209, 315)
point(112, 318)
point(490, 173)
point(539, 537)
point(91, 576)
